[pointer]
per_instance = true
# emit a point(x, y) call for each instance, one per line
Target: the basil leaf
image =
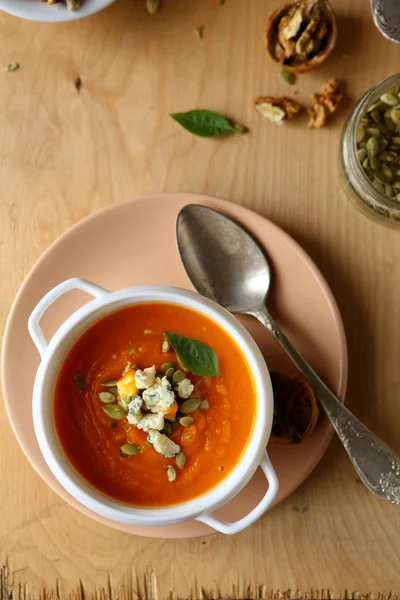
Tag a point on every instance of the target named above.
point(206, 123)
point(194, 356)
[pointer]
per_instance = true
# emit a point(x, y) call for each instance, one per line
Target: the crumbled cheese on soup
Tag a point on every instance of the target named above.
point(163, 444)
point(184, 388)
point(134, 413)
point(153, 421)
point(159, 397)
point(145, 379)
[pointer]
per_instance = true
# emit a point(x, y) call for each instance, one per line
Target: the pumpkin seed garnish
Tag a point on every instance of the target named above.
point(287, 77)
point(205, 405)
point(11, 66)
point(198, 31)
point(186, 421)
point(111, 383)
point(165, 346)
point(115, 411)
point(190, 406)
point(169, 373)
point(180, 460)
point(166, 366)
point(153, 6)
point(177, 377)
point(80, 382)
point(129, 450)
point(171, 473)
point(198, 384)
point(107, 397)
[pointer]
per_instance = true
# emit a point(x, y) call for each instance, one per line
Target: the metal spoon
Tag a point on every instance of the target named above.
point(225, 264)
point(386, 16)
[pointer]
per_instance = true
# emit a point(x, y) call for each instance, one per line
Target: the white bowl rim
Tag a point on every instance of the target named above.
point(104, 505)
point(40, 12)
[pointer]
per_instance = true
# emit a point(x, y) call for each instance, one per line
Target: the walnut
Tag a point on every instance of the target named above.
point(301, 34)
point(324, 104)
point(277, 109)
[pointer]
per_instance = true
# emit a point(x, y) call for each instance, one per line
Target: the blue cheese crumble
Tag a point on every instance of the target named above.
point(163, 444)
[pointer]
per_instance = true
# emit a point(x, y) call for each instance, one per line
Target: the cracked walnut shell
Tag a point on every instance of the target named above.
point(300, 35)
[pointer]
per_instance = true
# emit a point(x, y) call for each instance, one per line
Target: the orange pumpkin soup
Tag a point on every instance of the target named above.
point(134, 419)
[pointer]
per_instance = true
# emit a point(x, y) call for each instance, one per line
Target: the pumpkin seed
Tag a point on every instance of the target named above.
point(178, 376)
point(375, 163)
point(396, 185)
point(180, 460)
point(205, 405)
point(167, 429)
point(115, 411)
point(360, 134)
point(382, 177)
point(166, 366)
point(190, 406)
point(165, 346)
point(186, 421)
point(388, 190)
point(171, 473)
point(372, 147)
point(287, 77)
point(107, 397)
point(198, 384)
point(378, 186)
point(376, 117)
point(390, 99)
point(111, 383)
point(153, 6)
point(373, 131)
point(129, 450)
point(398, 197)
point(366, 163)
point(361, 153)
point(169, 373)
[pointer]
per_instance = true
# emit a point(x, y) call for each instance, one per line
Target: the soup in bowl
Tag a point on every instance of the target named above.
point(152, 405)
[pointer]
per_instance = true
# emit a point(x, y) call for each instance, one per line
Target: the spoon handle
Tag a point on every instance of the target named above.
point(376, 464)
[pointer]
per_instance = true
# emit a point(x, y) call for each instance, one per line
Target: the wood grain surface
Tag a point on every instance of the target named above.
point(65, 153)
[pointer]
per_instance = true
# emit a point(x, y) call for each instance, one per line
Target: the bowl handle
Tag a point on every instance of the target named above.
point(66, 286)
point(256, 513)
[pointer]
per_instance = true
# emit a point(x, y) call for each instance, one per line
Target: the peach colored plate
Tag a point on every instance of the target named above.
point(134, 243)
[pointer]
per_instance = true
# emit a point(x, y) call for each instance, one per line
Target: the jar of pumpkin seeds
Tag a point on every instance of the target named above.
point(370, 151)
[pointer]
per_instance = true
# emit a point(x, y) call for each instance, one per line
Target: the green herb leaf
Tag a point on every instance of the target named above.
point(206, 123)
point(194, 356)
point(80, 382)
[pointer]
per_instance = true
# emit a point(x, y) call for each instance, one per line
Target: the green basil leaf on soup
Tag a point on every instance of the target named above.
point(194, 356)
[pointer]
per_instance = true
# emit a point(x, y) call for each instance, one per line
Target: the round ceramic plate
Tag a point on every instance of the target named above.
point(134, 243)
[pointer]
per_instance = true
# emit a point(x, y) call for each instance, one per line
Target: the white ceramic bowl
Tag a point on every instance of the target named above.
point(53, 355)
point(35, 10)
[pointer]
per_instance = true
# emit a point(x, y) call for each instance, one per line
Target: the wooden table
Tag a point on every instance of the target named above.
point(65, 153)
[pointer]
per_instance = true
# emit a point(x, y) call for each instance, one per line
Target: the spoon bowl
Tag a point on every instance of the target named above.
point(234, 273)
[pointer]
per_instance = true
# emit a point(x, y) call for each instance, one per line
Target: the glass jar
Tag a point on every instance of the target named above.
point(357, 186)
